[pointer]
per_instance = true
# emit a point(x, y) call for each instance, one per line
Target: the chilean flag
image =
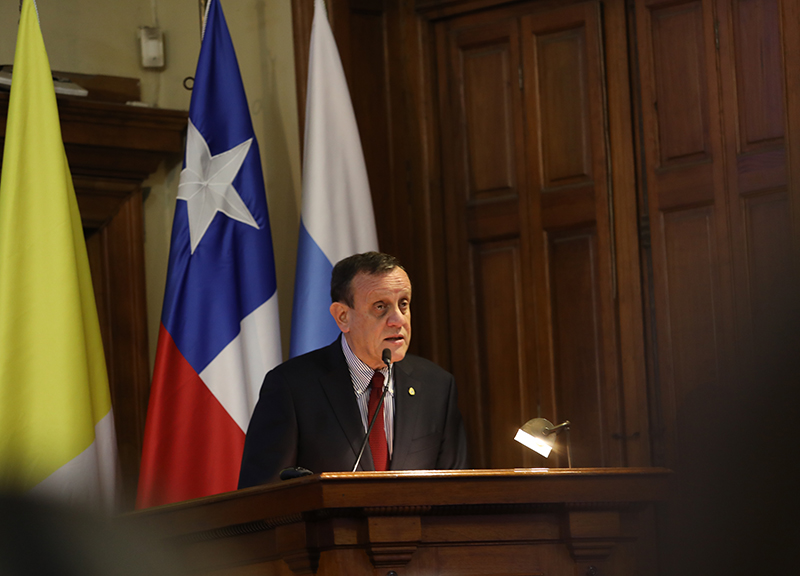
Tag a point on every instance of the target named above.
point(219, 330)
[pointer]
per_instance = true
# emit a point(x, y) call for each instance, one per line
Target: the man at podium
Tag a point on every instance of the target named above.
point(314, 410)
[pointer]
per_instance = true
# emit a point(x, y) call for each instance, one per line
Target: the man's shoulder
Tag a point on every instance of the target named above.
point(310, 360)
point(322, 359)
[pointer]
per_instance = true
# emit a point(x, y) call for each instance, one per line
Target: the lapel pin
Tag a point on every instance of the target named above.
point(411, 391)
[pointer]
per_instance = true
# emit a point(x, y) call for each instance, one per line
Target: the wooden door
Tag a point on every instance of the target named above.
point(757, 175)
point(684, 187)
point(490, 269)
point(573, 247)
point(527, 217)
point(716, 182)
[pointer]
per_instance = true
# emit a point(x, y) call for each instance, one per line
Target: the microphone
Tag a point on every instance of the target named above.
point(386, 356)
point(296, 472)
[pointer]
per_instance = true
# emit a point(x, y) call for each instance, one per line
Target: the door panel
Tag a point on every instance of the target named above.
point(680, 76)
point(577, 342)
point(692, 282)
point(489, 119)
point(563, 108)
point(500, 300)
point(570, 215)
point(489, 272)
point(527, 216)
point(758, 193)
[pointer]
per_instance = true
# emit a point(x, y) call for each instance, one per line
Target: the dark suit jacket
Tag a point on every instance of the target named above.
point(307, 415)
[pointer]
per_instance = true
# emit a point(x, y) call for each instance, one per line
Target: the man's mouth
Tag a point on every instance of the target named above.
point(393, 339)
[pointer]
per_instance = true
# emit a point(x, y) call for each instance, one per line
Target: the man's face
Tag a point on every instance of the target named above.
point(380, 317)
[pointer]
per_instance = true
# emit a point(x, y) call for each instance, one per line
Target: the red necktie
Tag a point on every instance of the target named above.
point(377, 438)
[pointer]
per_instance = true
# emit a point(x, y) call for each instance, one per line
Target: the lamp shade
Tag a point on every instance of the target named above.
point(535, 435)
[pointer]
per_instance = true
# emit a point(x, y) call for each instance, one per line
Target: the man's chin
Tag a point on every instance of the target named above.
point(400, 353)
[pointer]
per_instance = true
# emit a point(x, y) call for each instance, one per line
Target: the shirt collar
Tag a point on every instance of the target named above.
point(360, 373)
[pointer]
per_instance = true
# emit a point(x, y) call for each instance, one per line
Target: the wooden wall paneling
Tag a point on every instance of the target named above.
point(652, 389)
point(790, 44)
point(753, 98)
point(625, 218)
point(124, 237)
point(488, 260)
point(572, 251)
point(111, 151)
point(691, 263)
point(463, 321)
point(369, 91)
point(385, 55)
point(688, 205)
point(500, 296)
point(302, 18)
point(416, 123)
point(116, 253)
point(577, 342)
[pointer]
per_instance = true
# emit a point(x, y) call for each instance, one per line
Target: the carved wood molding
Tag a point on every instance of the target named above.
point(298, 546)
point(114, 140)
point(390, 556)
point(302, 561)
point(238, 529)
point(393, 540)
point(436, 9)
point(591, 535)
point(397, 510)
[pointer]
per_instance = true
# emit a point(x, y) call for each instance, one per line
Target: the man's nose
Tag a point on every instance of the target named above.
point(395, 317)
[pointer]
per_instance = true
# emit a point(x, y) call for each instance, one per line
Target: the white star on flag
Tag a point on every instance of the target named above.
point(206, 184)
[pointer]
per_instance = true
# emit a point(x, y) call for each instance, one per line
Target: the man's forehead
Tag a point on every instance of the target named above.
point(394, 281)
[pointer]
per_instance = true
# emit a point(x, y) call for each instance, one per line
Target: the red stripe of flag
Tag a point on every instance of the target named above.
point(178, 446)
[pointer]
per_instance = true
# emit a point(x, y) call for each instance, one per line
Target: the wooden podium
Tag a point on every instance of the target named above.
point(576, 522)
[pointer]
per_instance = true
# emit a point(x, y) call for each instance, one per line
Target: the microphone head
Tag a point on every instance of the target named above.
point(386, 356)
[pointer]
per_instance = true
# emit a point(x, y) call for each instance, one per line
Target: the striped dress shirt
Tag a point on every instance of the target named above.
point(361, 376)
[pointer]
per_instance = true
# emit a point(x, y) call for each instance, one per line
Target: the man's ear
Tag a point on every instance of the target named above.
point(341, 315)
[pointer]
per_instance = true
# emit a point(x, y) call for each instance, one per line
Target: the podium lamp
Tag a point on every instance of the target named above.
point(539, 435)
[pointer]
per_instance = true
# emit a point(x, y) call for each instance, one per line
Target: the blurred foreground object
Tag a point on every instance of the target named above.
point(42, 537)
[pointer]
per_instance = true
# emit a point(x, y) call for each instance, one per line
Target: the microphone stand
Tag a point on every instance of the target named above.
point(387, 359)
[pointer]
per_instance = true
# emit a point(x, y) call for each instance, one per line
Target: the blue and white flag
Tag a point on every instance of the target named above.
point(337, 219)
point(219, 325)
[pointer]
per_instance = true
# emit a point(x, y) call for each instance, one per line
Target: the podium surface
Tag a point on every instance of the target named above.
point(578, 521)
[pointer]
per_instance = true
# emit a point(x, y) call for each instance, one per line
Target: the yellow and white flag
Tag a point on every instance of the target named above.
point(56, 425)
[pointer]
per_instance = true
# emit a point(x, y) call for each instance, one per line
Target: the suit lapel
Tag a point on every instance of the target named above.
point(338, 388)
point(406, 412)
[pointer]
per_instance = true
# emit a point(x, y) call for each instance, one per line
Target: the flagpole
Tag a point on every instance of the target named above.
point(204, 7)
point(202, 14)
